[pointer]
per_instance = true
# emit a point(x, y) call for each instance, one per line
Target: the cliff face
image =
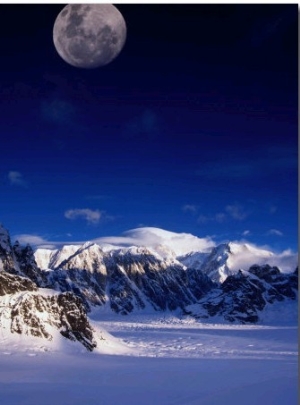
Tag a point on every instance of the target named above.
point(128, 279)
point(243, 296)
point(27, 309)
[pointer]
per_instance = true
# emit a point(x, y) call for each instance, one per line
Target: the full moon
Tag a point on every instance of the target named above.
point(89, 35)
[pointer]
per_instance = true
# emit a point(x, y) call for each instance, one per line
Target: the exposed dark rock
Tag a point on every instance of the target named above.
point(11, 284)
point(27, 264)
point(244, 295)
point(7, 261)
point(129, 280)
point(73, 320)
point(34, 314)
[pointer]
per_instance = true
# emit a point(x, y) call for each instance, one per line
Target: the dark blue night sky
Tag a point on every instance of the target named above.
point(192, 128)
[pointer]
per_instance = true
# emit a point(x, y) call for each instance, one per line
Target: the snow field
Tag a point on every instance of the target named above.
point(155, 360)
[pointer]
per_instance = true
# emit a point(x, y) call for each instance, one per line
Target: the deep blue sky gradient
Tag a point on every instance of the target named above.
point(192, 128)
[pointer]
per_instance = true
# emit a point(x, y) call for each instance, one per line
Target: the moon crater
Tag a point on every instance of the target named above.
point(89, 36)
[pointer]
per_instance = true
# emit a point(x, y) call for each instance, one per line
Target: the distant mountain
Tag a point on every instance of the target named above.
point(243, 296)
point(138, 277)
point(126, 279)
point(226, 259)
point(51, 291)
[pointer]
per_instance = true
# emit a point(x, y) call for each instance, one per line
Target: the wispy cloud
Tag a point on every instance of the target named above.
point(145, 125)
point(97, 197)
point(263, 30)
point(246, 232)
point(91, 216)
point(34, 240)
point(236, 211)
point(272, 209)
point(220, 217)
point(16, 179)
point(181, 243)
point(190, 208)
point(203, 219)
point(58, 111)
point(232, 171)
point(275, 232)
point(268, 162)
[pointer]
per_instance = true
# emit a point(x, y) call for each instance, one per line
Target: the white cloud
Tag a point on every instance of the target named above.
point(91, 216)
point(246, 254)
point(180, 243)
point(245, 233)
point(16, 179)
point(286, 260)
point(33, 240)
point(274, 232)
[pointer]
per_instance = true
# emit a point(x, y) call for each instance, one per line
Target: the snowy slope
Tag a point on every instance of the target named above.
point(51, 258)
point(167, 362)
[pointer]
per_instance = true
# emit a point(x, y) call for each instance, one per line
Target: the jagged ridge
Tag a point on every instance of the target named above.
point(243, 296)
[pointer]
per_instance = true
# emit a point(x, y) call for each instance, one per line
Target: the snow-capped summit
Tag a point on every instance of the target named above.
point(51, 258)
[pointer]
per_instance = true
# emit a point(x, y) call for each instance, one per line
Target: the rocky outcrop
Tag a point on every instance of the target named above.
point(244, 295)
point(12, 284)
point(27, 309)
point(7, 261)
point(18, 259)
point(26, 264)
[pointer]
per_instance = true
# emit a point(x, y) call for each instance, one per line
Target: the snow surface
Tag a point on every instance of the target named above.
point(156, 359)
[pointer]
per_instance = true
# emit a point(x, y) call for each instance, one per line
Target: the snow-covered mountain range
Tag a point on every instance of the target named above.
point(55, 289)
point(218, 262)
